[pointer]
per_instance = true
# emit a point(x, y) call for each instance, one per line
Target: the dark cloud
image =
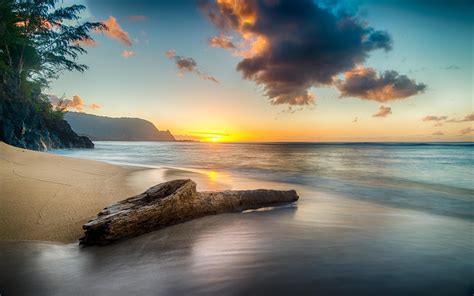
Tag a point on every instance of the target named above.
point(291, 46)
point(188, 65)
point(185, 64)
point(365, 83)
point(383, 112)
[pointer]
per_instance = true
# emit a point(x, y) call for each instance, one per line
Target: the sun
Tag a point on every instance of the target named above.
point(211, 137)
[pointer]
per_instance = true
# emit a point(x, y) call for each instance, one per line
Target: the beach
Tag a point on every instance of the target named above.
point(366, 219)
point(48, 197)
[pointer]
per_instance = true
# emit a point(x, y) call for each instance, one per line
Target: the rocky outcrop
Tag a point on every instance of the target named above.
point(31, 126)
point(171, 203)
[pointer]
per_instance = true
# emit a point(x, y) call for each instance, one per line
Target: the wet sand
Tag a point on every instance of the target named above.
point(323, 245)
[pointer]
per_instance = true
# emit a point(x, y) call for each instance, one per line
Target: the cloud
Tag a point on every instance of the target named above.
point(137, 18)
point(170, 53)
point(222, 42)
point(355, 119)
point(116, 32)
point(290, 110)
point(466, 131)
point(434, 118)
point(291, 46)
point(383, 112)
point(440, 120)
point(94, 106)
point(468, 117)
point(452, 67)
point(438, 133)
point(366, 84)
point(76, 103)
point(127, 53)
point(188, 65)
point(210, 134)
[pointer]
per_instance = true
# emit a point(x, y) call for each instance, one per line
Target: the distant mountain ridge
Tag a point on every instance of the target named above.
point(102, 128)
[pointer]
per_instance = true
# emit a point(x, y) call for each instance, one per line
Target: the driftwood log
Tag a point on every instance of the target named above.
point(171, 203)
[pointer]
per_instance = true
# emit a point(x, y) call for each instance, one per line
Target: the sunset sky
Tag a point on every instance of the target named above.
point(274, 70)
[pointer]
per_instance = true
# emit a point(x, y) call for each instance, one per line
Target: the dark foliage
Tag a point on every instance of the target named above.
point(38, 41)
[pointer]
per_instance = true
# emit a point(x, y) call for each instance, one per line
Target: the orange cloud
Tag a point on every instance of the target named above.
point(76, 103)
point(94, 106)
point(383, 112)
point(222, 42)
point(438, 133)
point(170, 53)
point(238, 16)
point(127, 53)
point(466, 131)
point(137, 18)
point(116, 32)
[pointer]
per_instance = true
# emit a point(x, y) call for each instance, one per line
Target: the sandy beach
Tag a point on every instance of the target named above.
point(48, 197)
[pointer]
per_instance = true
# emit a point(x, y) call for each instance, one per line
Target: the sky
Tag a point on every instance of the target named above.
point(276, 70)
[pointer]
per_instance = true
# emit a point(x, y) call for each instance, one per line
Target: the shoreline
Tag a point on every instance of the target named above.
point(47, 197)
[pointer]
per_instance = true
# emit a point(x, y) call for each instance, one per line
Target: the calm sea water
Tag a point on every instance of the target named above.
point(429, 177)
point(372, 219)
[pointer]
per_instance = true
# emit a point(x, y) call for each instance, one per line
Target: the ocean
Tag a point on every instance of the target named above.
point(372, 219)
point(433, 177)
